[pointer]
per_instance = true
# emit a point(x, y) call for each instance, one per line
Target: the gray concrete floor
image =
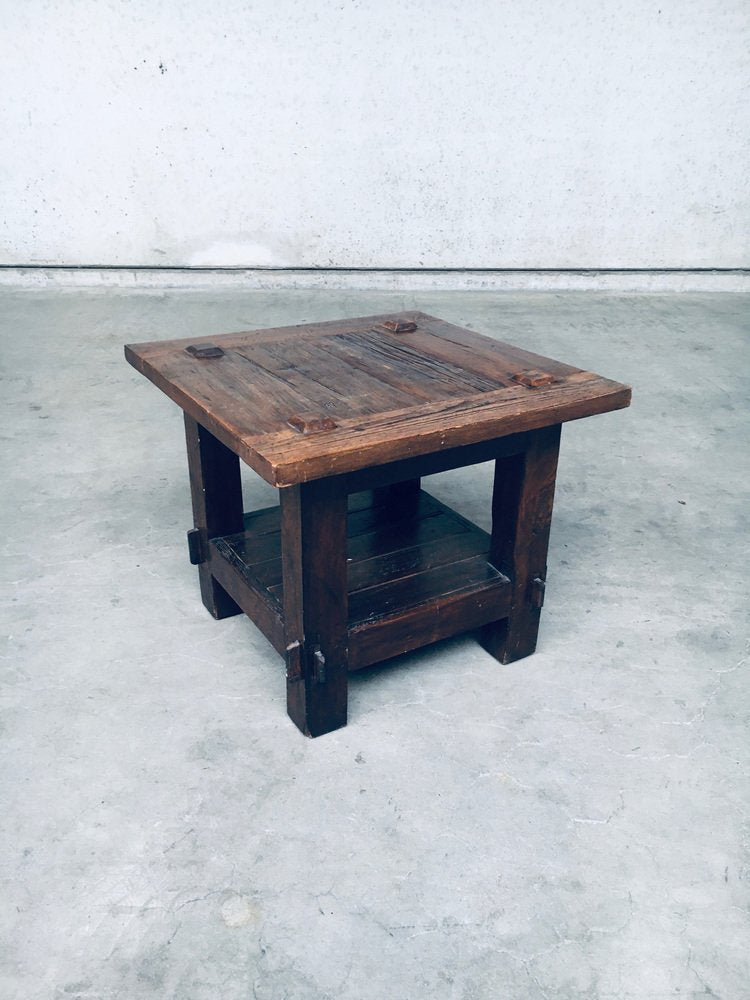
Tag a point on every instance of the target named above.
point(573, 825)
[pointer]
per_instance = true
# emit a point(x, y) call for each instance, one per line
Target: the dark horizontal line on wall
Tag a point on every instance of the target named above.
point(383, 270)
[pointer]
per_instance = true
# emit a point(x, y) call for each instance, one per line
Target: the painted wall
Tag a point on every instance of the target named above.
point(579, 133)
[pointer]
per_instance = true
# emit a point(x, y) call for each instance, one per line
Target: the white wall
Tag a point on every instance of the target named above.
point(532, 133)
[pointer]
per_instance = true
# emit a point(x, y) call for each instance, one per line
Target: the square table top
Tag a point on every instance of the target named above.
point(302, 402)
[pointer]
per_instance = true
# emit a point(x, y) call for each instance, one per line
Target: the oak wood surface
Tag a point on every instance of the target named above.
point(303, 403)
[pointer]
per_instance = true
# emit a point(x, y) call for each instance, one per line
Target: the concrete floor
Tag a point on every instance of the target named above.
point(574, 825)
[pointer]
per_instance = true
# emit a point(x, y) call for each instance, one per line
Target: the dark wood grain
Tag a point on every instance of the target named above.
point(417, 466)
point(358, 563)
point(410, 628)
point(390, 395)
point(382, 600)
point(400, 497)
point(378, 536)
point(412, 577)
point(370, 532)
point(418, 371)
point(329, 378)
point(522, 500)
point(313, 552)
point(431, 428)
point(484, 355)
point(156, 349)
point(386, 541)
point(216, 493)
point(244, 588)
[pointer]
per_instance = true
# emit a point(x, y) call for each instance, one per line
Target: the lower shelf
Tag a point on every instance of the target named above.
point(415, 576)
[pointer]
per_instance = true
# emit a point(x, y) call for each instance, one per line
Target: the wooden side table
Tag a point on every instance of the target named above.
point(358, 563)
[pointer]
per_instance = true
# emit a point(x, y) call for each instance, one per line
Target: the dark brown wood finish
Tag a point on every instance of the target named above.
point(237, 578)
point(313, 564)
point(216, 492)
point(428, 465)
point(523, 494)
point(299, 404)
point(403, 495)
point(434, 426)
point(358, 563)
point(415, 574)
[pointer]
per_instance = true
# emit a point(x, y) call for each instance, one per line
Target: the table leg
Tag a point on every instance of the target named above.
point(216, 492)
point(399, 498)
point(314, 569)
point(522, 501)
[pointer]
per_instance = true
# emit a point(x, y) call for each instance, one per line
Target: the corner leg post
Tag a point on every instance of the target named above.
point(401, 499)
point(314, 570)
point(522, 500)
point(216, 491)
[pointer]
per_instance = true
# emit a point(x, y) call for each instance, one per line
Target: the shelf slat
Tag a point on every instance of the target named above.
point(414, 576)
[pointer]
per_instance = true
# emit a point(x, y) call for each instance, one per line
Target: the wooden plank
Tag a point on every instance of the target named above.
point(355, 391)
point(477, 353)
point(420, 588)
point(380, 555)
point(247, 406)
point(381, 547)
point(390, 536)
point(156, 349)
point(370, 527)
point(240, 396)
point(496, 348)
point(236, 551)
point(380, 516)
point(262, 522)
point(382, 354)
point(268, 520)
point(411, 628)
point(281, 398)
point(356, 444)
point(395, 350)
point(445, 550)
point(302, 379)
point(387, 636)
point(430, 464)
point(244, 590)
point(419, 388)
